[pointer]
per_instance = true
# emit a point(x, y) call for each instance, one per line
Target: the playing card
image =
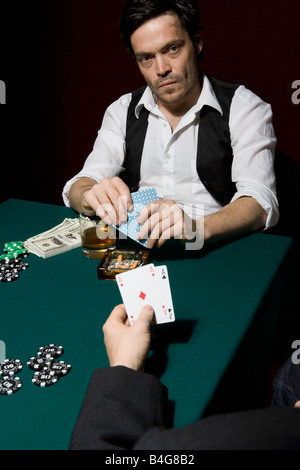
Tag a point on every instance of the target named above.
point(140, 199)
point(142, 287)
point(163, 278)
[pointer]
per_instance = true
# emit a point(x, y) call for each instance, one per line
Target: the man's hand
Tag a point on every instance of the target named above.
point(162, 220)
point(128, 345)
point(110, 199)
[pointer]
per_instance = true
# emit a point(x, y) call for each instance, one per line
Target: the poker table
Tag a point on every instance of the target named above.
point(233, 321)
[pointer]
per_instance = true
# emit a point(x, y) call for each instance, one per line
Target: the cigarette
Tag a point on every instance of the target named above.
point(134, 265)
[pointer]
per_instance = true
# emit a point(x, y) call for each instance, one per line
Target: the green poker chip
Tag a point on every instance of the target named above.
point(14, 254)
point(13, 246)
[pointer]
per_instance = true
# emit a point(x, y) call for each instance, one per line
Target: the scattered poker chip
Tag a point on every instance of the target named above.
point(10, 367)
point(8, 275)
point(10, 385)
point(52, 350)
point(44, 378)
point(61, 368)
point(39, 363)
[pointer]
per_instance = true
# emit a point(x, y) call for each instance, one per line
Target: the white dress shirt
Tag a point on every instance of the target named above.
point(169, 158)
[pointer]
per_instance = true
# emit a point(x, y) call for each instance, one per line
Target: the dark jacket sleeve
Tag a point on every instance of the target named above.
point(120, 405)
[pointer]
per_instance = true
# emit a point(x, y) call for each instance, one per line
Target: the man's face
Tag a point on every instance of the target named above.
point(167, 59)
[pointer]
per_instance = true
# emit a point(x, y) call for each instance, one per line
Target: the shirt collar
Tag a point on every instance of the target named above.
point(207, 98)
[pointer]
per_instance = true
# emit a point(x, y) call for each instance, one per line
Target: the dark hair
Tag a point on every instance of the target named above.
point(137, 12)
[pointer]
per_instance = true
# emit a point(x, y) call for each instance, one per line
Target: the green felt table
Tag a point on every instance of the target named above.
point(231, 315)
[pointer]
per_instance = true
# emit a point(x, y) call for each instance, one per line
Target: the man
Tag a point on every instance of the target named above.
point(200, 142)
point(126, 408)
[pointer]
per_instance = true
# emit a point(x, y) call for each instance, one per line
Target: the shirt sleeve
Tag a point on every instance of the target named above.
point(107, 156)
point(253, 141)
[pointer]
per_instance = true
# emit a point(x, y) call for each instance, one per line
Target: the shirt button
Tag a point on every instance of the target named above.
point(165, 124)
point(167, 156)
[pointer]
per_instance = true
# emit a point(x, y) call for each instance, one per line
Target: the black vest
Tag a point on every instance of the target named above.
point(214, 155)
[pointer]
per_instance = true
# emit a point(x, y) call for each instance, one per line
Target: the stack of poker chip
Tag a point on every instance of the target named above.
point(47, 370)
point(11, 261)
point(9, 383)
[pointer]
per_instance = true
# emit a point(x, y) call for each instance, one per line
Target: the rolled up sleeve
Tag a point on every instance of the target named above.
point(107, 156)
point(253, 141)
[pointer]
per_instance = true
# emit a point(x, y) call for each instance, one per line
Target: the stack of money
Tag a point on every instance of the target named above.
point(57, 240)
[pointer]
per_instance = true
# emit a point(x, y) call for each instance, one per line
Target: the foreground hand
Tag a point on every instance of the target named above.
point(162, 220)
point(128, 345)
point(110, 199)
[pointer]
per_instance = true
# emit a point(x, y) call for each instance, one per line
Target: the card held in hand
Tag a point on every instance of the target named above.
point(163, 279)
point(142, 286)
point(140, 199)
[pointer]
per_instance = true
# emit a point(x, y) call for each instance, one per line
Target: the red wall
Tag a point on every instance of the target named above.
point(68, 65)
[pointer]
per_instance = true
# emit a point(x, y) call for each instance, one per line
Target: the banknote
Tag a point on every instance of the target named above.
point(57, 240)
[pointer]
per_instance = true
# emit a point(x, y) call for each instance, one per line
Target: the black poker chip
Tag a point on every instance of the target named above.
point(19, 265)
point(44, 378)
point(6, 264)
point(10, 385)
point(51, 350)
point(60, 368)
point(8, 275)
point(10, 367)
point(40, 363)
point(6, 268)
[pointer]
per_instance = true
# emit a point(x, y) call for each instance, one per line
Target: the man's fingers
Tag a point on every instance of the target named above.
point(147, 211)
point(90, 200)
point(110, 199)
point(119, 196)
point(118, 314)
point(146, 315)
point(161, 222)
point(148, 226)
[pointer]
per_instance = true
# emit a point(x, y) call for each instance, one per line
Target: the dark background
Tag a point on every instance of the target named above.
point(63, 63)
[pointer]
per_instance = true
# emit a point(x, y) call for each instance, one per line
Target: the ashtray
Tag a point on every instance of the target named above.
point(118, 261)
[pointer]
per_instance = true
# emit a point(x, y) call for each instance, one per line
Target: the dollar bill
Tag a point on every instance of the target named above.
point(57, 240)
